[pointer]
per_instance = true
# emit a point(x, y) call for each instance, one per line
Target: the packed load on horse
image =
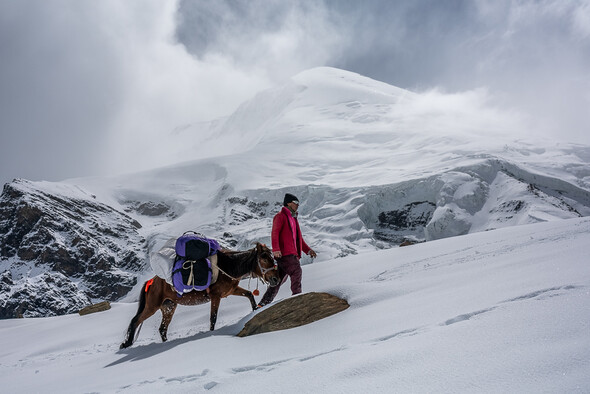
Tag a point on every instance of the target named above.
point(161, 292)
point(188, 262)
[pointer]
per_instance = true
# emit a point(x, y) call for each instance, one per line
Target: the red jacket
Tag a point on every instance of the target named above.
point(286, 238)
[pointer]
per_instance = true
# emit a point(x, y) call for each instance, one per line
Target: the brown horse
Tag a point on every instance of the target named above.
point(156, 293)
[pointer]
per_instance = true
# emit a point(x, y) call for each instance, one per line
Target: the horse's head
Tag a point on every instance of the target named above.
point(267, 268)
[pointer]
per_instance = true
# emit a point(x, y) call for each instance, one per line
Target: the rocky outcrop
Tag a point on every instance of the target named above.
point(60, 250)
point(395, 224)
point(46, 294)
point(151, 208)
point(94, 308)
point(294, 312)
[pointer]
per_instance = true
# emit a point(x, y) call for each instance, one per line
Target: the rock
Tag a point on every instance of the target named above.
point(408, 242)
point(47, 294)
point(151, 208)
point(64, 249)
point(294, 312)
point(101, 306)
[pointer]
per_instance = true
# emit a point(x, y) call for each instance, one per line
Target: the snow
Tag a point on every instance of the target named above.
point(350, 148)
point(496, 311)
point(501, 309)
point(336, 128)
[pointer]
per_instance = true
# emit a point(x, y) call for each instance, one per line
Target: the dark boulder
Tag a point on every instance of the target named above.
point(294, 312)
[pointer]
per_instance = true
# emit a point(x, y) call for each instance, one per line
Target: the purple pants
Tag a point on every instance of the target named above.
point(288, 267)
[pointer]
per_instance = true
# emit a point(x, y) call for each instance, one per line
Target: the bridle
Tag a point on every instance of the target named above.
point(263, 270)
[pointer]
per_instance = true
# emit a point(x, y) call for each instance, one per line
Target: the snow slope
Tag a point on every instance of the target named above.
point(496, 311)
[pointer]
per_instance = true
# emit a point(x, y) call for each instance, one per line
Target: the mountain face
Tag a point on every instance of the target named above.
point(61, 249)
point(373, 165)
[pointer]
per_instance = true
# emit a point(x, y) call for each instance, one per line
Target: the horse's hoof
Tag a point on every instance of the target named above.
point(123, 346)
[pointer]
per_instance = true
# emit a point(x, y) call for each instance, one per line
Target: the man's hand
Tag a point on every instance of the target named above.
point(312, 254)
point(277, 254)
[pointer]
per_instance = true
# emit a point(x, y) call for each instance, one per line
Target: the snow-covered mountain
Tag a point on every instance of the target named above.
point(372, 164)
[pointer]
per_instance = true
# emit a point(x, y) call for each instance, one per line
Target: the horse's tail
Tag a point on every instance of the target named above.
point(129, 336)
point(142, 296)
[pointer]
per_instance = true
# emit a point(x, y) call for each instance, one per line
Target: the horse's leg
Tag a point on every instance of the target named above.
point(167, 308)
point(215, 301)
point(133, 324)
point(148, 305)
point(238, 291)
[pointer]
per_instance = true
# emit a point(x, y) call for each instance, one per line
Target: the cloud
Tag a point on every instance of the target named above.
point(531, 56)
point(56, 95)
point(98, 87)
point(539, 59)
point(205, 59)
point(165, 87)
point(68, 75)
point(269, 37)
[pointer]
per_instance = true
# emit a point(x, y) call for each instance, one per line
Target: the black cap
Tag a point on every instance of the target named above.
point(290, 198)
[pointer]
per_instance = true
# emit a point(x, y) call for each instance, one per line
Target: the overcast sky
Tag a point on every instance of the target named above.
point(86, 87)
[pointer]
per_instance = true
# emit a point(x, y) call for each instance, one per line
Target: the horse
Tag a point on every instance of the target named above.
point(156, 293)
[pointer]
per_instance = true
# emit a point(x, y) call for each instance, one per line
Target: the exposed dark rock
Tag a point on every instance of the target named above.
point(346, 250)
point(409, 242)
point(99, 307)
point(150, 208)
point(84, 248)
point(153, 209)
point(239, 216)
point(6, 282)
point(294, 312)
point(48, 294)
point(242, 209)
point(394, 226)
point(411, 216)
point(228, 239)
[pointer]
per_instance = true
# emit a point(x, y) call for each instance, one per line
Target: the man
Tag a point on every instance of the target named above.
point(287, 245)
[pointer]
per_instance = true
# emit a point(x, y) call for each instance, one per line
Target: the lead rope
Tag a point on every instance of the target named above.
point(262, 270)
point(226, 274)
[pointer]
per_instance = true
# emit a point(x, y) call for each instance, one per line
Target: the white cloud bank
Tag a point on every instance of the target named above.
point(98, 87)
